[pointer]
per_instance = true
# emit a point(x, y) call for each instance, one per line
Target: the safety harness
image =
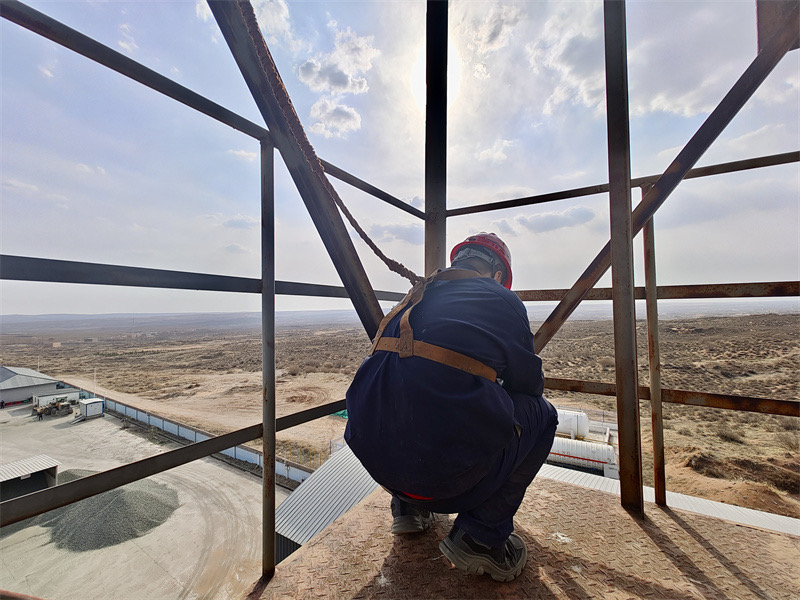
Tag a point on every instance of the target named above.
point(407, 346)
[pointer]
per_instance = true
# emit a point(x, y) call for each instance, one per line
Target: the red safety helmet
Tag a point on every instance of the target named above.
point(492, 242)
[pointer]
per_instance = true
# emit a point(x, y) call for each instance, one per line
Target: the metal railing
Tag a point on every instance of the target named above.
point(655, 190)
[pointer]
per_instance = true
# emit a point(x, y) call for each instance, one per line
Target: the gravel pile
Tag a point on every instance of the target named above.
point(109, 518)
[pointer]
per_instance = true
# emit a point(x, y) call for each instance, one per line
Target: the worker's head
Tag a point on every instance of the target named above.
point(485, 253)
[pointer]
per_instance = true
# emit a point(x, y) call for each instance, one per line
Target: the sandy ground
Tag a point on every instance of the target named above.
point(212, 380)
point(208, 547)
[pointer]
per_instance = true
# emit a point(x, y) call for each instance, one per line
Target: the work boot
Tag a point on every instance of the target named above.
point(408, 518)
point(469, 555)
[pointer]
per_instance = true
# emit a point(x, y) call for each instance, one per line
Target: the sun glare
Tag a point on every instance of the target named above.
point(453, 76)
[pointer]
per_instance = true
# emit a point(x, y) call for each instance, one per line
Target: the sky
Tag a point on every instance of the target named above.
point(99, 168)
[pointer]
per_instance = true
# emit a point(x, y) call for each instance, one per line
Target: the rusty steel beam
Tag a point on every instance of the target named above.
point(370, 189)
point(47, 27)
point(773, 289)
point(240, 28)
point(769, 406)
point(268, 504)
point(769, 15)
point(30, 505)
point(25, 268)
point(436, 136)
point(624, 306)
point(654, 365)
point(591, 190)
point(716, 122)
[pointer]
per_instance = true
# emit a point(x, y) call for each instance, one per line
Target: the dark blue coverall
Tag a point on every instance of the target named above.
point(456, 442)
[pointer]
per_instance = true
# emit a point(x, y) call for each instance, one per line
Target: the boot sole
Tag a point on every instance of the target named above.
point(410, 524)
point(479, 565)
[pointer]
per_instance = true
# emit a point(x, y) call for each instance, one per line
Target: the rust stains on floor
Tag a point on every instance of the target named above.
point(581, 544)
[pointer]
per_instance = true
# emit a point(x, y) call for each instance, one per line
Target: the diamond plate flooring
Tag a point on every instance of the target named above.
point(581, 544)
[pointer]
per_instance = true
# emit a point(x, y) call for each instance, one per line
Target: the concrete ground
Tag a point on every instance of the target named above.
point(209, 547)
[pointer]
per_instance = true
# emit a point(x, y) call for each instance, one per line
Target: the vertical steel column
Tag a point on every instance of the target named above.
point(729, 106)
point(654, 354)
point(436, 136)
point(268, 357)
point(619, 177)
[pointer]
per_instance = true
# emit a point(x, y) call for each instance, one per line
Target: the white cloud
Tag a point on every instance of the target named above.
point(241, 222)
point(341, 71)
point(412, 233)
point(20, 186)
point(96, 170)
point(236, 249)
point(570, 52)
point(127, 42)
point(492, 29)
point(202, 10)
point(332, 119)
point(244, 155)
point(273, 18)
point(496, 153)
point(46, 71)
point(550, 221)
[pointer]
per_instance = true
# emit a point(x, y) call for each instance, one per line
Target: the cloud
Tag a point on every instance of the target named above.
point(202, 10)
point(46, 71)
point(416, 202)
point(333, 119)
point(551, 221)
point(97, 169)
point(241, 222)
point(569, 51)
point(411, 233)
point(244, 155)
point(20, 186)
point(341, 71)
point(492, 31)
point(496, 153)
point(273, 18)
point(127, 42)
point(236, 249)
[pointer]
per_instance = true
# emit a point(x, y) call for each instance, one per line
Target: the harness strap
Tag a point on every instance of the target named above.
point(441, 355)
point(407, 346)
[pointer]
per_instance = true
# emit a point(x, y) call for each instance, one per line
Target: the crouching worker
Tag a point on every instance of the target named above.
point(447, 412)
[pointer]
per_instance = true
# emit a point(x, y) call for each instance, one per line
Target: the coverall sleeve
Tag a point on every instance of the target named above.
point(523, 372)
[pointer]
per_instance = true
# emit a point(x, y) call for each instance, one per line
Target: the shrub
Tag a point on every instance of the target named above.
point(729, 435)
point(788, 441)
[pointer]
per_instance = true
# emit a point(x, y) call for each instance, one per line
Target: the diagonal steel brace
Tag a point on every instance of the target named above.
point(778, 45)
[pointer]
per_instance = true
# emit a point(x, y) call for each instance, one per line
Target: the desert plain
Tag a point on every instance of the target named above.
point(206, 372)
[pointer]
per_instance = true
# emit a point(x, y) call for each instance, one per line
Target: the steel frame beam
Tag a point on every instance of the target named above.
point(436, 136)
point(239, 27)
point(17, 509)
point(25, 268)
point(624, 309)
point(729, 106)
point(602, 188)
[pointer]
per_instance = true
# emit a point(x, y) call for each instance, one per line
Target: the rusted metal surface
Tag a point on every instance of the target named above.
point(25, 268)
point(654, 365)
point(436, 136)
point(30, 505)
point(304, 416)
point(370, 189)
point(770, 406)
point(671, 292)
point(268, 359)
point(47, 27)
point(716, 122)
point(624, 309)
point(239, 27)
point(581, 545)
point(591, 190)
point(769, 15)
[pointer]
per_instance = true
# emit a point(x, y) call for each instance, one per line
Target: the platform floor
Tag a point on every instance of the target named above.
point(581, 544)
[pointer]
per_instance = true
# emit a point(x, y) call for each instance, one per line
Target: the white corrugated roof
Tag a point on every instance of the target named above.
point(26, 466)
point(17, 377)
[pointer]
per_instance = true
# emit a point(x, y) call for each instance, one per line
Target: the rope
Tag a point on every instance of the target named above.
point(299, 134)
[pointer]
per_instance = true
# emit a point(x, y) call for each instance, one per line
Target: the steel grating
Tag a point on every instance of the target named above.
point(581, 543)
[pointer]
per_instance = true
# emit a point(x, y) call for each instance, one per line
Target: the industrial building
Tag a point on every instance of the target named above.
point(18, 384)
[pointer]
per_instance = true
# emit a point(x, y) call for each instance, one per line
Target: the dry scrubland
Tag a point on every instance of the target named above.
point(211, 380)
